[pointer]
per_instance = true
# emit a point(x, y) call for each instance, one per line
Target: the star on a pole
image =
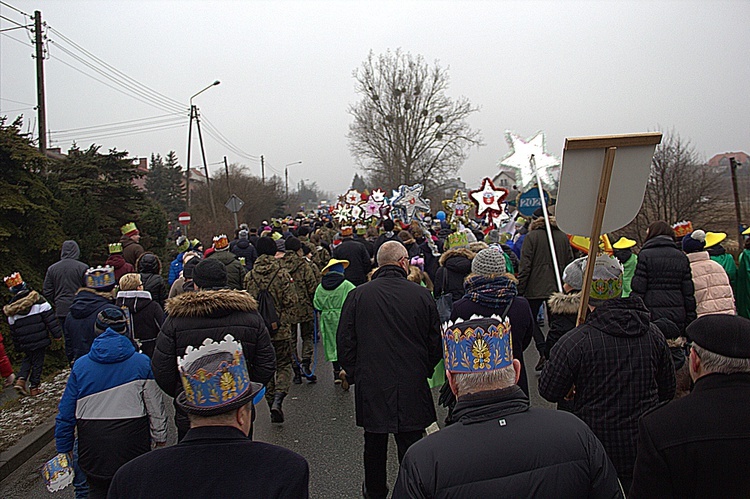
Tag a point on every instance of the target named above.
point(371, 208)
point(519, 157)
point(410, 201)
point(457, 208)
point(488, 198)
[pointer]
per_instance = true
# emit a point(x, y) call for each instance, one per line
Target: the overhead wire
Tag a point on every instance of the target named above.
point(107, 125)
point(16, 9)
point(118, 133)
point(214, 132)
point(17, 102)
point(120, 128)
point(16, 39)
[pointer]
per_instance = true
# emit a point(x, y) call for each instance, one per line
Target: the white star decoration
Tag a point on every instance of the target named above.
point(342, 213)
point(488, 198)
point(408, 199)
point(352, 196)
point(520, 153)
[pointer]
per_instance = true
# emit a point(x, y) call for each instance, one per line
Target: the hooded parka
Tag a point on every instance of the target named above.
point(235, 270)
point(536, 275)
point(64, 279)
point(31, 321)
point(146, 316)
point(455, 265)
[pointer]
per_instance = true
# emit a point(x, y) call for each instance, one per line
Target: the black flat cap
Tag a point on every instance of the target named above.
point(727, 335)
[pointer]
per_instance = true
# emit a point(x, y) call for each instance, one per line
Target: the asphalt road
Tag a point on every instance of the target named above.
point(319, 426)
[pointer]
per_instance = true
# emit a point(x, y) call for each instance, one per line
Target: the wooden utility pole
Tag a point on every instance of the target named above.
point(190, 137)
point(41, 107)
point(262, 170)
point(226, 169)
point(737, 207)
point(205, 165)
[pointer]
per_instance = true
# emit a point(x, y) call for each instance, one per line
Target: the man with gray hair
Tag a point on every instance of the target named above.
point(388, 341)
point(696, 446)
point(499, 446)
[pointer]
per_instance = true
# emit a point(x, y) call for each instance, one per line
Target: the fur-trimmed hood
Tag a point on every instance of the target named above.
point(205, 303)
point(564, 304)
point(22, 306)
point(539, 223)
point(465, 252)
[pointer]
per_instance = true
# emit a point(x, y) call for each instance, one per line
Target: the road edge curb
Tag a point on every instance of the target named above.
point(26, 447)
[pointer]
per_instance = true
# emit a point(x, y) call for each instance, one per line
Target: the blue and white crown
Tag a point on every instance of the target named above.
point(478, 344)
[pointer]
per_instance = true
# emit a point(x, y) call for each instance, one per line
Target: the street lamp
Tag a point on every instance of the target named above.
point(194, 115)
point(286, 176)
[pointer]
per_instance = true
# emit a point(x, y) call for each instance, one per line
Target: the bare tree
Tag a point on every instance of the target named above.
point(405, 129)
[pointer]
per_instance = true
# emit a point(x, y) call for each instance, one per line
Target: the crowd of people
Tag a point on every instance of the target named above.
point(650, 388)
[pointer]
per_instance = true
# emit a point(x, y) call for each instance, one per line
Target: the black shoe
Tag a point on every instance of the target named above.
point(277, 414)
point(311, 378)
point(297, 379)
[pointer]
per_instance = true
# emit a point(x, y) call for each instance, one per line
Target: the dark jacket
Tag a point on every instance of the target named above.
point(536, 274)
point(79, 324)
point(388, 342)
point(149, 265)
point(369, 245)
point(513, 257)
point(146, 315)
point(664, 281)
point(235, 270)
point(131, 250)
point(696, 446)
point(243, 248)
point(31, 321)
point(117, 262)
point(382, 238)
point(533, 452)
point(359, 260)
point(64, 278)
point(457, 263)
point(193, 317)
point(620, 366)
point(248, 469)
point(563, 315)
point(521, 323)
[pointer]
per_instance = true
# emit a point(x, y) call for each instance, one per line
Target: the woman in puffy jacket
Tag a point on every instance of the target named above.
point(663, 278)
point(149, 267)
point(713, 292)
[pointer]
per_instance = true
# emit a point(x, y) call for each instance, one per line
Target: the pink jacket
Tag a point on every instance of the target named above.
point(713, 294)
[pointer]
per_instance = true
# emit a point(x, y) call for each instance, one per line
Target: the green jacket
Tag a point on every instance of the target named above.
point(235, 270)
point(305, 281)
point(727, 261)
point(627, 274)
point(329, 303)
point(742, 292)
point(268, 273)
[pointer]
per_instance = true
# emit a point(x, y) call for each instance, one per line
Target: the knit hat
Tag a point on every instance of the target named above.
point(714, 238)
point(727, 335)
point(573, 273)
point(188, 269)
point(242, 234)
point(112, 318)
point(292, 243)
point(210, 274)
point(15, 283)
point(215, 378)
point(693, 242)
point(129, 229)
point(221, 242)
point(130, 282)
point(335, 265)
point(182, 244)
point(669, 329)
point(488, 262)
point(265, 246)
point(607, 281)
point(100, 278)
point(115, 248)
point(492, 236)
point(280, 244)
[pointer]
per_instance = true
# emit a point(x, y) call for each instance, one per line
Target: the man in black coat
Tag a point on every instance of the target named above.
point(388, 342)
point(498, 445)
point(356, 253)
point(216, 458)
point(211, 312)
point(696, 446)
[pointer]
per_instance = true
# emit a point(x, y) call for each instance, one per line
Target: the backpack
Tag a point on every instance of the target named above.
point(266, 307)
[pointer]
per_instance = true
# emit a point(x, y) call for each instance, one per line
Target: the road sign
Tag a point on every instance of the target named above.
point(528, 202)
point(234, 204)
point(184, 218)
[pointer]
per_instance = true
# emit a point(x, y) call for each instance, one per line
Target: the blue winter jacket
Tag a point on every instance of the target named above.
point(175, 268)
point(112, 398)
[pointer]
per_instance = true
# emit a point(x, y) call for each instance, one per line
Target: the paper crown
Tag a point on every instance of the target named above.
point(13, 280)
point(128, 229)
point(100, 277)
point(115, 248)
point(682, 229)
point(346, 231)
point(58, 473)
point(477, 345)
point(607, 281)
point(215, 378)
point(221, 242)
point(457, 240)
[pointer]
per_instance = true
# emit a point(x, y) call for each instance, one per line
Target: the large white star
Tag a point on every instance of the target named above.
point(519, 158)
point(488, 198)
point(408, 199)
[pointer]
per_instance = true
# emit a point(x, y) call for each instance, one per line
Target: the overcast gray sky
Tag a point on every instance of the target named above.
point(570, 68)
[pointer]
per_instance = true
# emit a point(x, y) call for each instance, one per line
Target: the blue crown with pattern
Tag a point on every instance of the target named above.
point(100, 277)
point(478, 344)
point(215, 378)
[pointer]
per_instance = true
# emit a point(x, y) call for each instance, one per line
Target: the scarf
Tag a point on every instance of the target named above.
point(493, 292)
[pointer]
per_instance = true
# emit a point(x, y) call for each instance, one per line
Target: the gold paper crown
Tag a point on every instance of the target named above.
point(13, 280)
point(221, 241)
point(682, 229)
point(115, 248)
point(128, 228)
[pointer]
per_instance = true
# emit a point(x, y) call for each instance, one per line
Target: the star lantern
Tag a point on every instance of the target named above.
point(519, 158)
point(356, 212)
point(371, 208)
point(457, 209)
point(352, 196)
point(342, 213)
point(378, 195)
point(408, 199)
point(488, 199)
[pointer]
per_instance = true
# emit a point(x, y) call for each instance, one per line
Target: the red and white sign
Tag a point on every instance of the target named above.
point(184, 218)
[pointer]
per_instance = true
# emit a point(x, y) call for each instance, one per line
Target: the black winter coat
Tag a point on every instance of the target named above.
point(31, 321)
point(359, 260)
point(156, 286)
point(664, 281)
point(389, 343)
point(696, 446)
point(563, 316)
point(457, 263)
point(243, 248)
point(147, 317)
point(193, 317)
point(79, 324)
point(64, 278)
point(533, 452)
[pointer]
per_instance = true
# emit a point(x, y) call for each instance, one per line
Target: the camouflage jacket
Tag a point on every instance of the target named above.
point(268, 273)
point(320, 257)
point(305, 281)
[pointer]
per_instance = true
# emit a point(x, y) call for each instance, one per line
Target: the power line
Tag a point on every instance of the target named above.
point(100, 136)
point(220, 137)
point(122, 128)
point(14, 110)
point(14, 8)
point(16, 39)
point(17, 102)
point(106, 125)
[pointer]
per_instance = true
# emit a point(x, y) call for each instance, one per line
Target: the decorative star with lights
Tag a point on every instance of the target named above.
point(457, 209)
point(371, 208)
point(356, 212)
point(378, 195)
point(519, 158)
point(352, 196)
point(408, 199)
point(342, 213)
point(488, 198)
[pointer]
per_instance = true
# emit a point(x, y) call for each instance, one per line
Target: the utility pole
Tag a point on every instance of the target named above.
point(737, 207)
point(190, 132)
point(41, 107)
point(205, 165)
point(226, 169)
point(262, 170)
point(286, 182)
